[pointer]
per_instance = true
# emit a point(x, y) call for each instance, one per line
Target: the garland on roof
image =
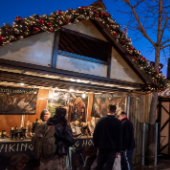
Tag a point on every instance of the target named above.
point(24, 27)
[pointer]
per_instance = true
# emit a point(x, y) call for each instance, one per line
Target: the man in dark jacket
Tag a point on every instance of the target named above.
point(128, 142)
point(108, 138)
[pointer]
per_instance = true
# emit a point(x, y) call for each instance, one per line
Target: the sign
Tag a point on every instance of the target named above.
point(17, 101)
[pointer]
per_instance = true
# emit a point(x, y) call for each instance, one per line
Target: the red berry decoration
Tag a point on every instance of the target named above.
point(123, 41)
point(131, 48)
point(41, 21)
point(18, 18)
point(162, 89)
point(2, 39)
point(67, 21)
point(49, 24)
point(106, 15)
point(115, 34)
point(27, 28)
point(134, 57)
point(59, 12)
point(143, 58)
point(35, 29)
point(51, 30)
point(96, 15)
point(101, 13)
point(157, 72)
point(82, 8)
point(93, 10)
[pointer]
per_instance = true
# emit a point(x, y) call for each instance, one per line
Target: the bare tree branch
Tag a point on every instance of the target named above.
point(168, 40)
point(165, 46)
point(140, 27)
point(165, 25)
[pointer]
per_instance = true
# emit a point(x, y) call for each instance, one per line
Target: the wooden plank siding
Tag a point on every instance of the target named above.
point(138, 114)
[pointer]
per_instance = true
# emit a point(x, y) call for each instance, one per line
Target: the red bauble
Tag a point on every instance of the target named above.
point(123, 41)
point(18, 18)
point(67, 21)
point(157, 72)
point(93, 10)
point(27, 28)
point(49, 24)
point(162, 89)
point(155, 90)
point(115, 34)
point(35, 29)
point(143, 58)
point(82, 8)
point(110, 26)
point(2, 39)
point(131, 48)
point(51, 30)
point(101, 13)
point(134, 57)
point(59, 12)
point(96, 15)
point(106, 15)
point(41, 21)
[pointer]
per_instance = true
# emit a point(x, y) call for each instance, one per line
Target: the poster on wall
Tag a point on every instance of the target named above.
point(17, 101)
point(75, 103)
point(101, 104)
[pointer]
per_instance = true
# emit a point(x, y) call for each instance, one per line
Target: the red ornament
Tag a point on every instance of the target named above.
point(134, 57)
point(143, 58)
point(51, 30)
point(96, 15)
point(41, 21)
point(106, 15)
point(35, 29)
point(101, 13)
point(110, 26)
point(93, 10)
point(59, 12)
point(2, 39)
point(162, 89)
point(123, 41)
point(18, 18)
point(49, 24)
point(131, 48)
point(67, 21)
point(157, 72)
point(82, 8)
point(155, 90)
point(115, 34)
point(27, 28)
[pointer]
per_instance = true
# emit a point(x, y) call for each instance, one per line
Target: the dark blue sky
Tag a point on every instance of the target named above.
point(10, 9)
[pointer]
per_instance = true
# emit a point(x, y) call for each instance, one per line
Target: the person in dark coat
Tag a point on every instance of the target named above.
point(58, 161)
point(108, 138)
point(128, 143)
point(45, 115)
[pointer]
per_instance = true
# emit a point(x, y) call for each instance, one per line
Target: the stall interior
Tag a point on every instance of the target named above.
point(21, 109)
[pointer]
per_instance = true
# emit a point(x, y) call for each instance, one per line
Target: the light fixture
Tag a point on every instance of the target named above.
point(71, 90)
point(72, 80)
point(83, 95)
point(78, 80)
point(22, 84)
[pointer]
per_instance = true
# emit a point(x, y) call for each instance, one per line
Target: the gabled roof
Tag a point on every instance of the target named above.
point(102, 20)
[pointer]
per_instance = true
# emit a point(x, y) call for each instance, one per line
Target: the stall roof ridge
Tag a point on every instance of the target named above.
point(102, 20)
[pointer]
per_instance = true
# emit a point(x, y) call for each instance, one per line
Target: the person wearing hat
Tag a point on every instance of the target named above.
point(45, 115)
point(128, 142)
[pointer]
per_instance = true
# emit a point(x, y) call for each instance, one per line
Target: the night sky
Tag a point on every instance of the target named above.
point(10, 9)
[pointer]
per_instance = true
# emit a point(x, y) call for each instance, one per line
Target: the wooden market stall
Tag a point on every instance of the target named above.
point(83, 52)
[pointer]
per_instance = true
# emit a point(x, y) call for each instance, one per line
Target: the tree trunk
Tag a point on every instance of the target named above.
point(152, 116)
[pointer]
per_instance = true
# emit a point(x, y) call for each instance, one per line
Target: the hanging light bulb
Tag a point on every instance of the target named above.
point(83, 95)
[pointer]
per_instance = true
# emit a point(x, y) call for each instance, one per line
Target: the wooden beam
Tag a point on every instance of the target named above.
point(55, 49)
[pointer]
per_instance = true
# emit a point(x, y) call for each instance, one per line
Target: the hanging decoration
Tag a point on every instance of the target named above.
point(24, 27)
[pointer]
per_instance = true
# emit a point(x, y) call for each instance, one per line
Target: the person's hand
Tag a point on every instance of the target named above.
point(117, 153)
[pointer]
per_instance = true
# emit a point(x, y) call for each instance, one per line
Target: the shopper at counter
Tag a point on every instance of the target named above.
point(108, 138)
point(45, 115)
point(64, 139)
point(128, 143)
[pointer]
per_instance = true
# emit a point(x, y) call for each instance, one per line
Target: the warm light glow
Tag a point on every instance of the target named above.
point(50, 96)
point(78, 80)
point(83, 95)
point(71, 90)
point(22, 84)
point(72, 80)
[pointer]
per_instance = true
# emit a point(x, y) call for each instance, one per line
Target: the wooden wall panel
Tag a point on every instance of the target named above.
point(8, 121)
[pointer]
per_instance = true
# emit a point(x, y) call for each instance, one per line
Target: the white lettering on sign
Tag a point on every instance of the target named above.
point(90, 143)
point(84, 143)
point(1, 148)
point(6, 147)
point(22, 145)
point(30, 147)
point(11, 147)
point(77, 144)
point(17, 147)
